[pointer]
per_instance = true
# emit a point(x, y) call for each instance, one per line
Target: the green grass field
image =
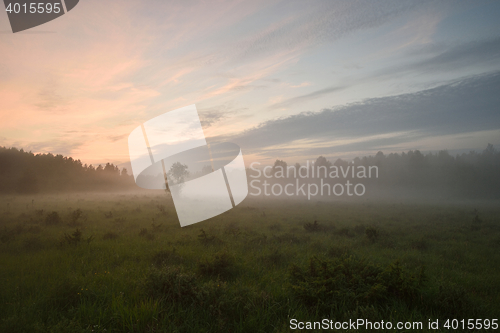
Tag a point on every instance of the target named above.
point(122, 263)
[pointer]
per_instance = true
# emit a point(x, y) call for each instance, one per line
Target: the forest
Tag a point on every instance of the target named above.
point(26, 173)
point(463, 176)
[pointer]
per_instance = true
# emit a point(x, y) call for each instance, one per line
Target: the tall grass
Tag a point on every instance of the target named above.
point(83, 263)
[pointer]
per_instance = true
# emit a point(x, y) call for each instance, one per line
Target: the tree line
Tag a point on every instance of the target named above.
point(467, 175)
point(472, 175)
point(26, 173)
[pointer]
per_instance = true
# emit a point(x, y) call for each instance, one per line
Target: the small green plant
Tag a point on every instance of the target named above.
point(313, 227)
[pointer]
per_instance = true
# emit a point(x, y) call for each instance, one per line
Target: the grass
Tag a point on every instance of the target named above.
point(122, 263)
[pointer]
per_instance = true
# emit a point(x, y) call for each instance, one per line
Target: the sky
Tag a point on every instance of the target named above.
point(285, 80)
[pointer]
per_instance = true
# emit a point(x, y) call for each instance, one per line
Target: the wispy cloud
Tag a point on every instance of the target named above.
point(306, 97)
point(459, 107)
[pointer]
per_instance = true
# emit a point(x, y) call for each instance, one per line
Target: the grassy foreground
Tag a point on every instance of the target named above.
point(122, 263)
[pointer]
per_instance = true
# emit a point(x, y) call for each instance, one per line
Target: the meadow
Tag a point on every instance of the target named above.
point(122, 263)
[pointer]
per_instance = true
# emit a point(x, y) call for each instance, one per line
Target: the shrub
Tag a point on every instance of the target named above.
point(53, 219)
point(359, 229)
point(453, 301)
point(345, 282)
point(372, 234)
point(343, 232)
point(313, 227)
point(33, 244)
point(274, 258)
point(6, 235)
point(76, 237)
point(165, 258)
point(222, 265)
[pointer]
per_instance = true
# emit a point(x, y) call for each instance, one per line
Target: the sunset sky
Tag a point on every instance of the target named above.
point(283, 79)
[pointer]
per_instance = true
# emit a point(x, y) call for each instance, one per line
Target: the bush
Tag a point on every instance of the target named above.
point(454, 301)
point(53, 219)
point(359, 229)
point(74, 217)
point(274, 258)
point(372, 234)
point(343, 232)
point(76, 237)
point(313, 227)
point(345, 282)
point(33, 244)
point(222, 265)
point(165, 258)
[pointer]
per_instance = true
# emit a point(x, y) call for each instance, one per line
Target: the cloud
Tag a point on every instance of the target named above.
point(450, 59)
point(306, 97)
point(213, 115)
point(462, 106)
point(464, 55)
point(55, 146)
